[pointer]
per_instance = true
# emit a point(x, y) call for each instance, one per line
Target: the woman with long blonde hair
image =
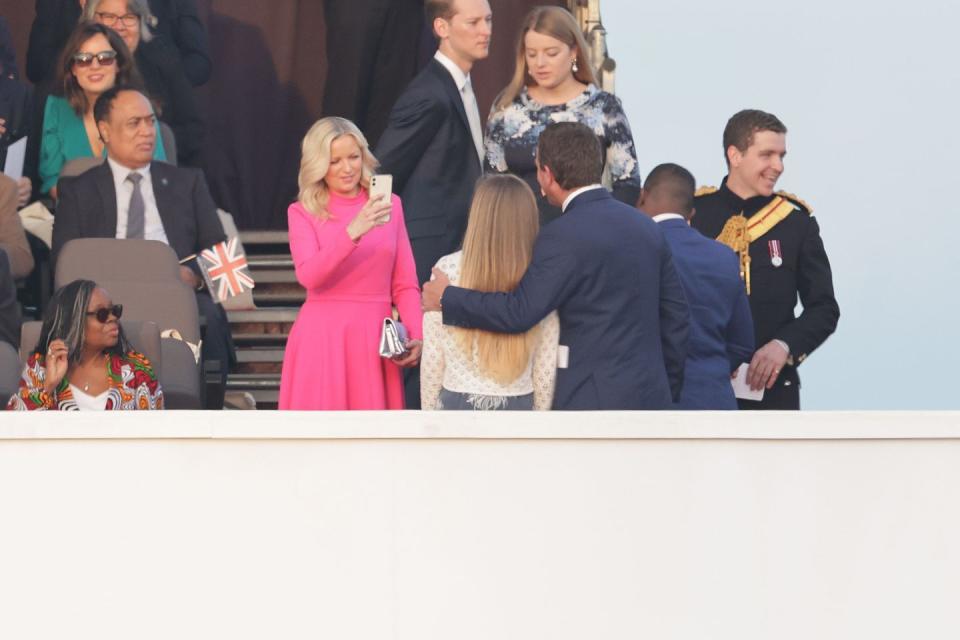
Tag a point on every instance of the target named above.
point(554, 81)
point(473, 369)
point(352, 255)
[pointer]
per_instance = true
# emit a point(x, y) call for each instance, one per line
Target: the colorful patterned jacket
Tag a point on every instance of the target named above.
point(133, 386)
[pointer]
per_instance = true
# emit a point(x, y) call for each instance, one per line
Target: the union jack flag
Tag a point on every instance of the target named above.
point(225, 270)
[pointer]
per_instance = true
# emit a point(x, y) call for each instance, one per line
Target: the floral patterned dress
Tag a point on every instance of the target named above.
point(133, 386)
point(513, 132)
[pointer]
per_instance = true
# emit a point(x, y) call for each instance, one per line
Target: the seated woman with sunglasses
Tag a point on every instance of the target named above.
point(83, 360)
point(93, 60)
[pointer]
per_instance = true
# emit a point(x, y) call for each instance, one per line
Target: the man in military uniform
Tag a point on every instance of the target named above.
point(781, 256)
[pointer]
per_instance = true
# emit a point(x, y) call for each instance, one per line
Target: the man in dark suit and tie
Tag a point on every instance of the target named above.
point(130, 196)
point(608, 272)
point(721, 327)
point(433, 144)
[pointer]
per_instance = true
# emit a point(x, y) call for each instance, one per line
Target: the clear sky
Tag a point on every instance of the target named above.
point(871, 95)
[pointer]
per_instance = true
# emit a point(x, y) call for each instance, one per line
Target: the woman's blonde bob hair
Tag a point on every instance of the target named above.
point(315, 162)
point(555, 22)
point(497, 249)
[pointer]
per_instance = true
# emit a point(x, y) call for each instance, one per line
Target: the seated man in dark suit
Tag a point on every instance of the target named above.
point(609, 274)
point(9, 307)
point(721, 327)
point(130, 196)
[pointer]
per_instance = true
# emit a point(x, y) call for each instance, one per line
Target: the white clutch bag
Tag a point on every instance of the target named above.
point(392, 338)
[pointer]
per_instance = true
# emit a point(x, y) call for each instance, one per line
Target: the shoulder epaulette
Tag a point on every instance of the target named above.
point(795, 200)
point(704, 191)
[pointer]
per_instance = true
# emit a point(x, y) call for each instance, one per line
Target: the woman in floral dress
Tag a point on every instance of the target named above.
point(554, 81)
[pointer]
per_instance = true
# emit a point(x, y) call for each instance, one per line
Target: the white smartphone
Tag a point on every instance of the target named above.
point(382, 184)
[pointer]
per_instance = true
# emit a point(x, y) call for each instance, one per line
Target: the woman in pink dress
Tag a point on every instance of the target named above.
point(353, 256)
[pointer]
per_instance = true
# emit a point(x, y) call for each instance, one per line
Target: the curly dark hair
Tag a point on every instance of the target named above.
point(66, 83)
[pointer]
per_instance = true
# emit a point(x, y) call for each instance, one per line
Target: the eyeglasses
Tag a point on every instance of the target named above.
point(111, 19)
point(103, 313)
point(104, 58)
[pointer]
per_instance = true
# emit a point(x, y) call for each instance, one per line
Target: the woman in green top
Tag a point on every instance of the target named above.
point(94, 59)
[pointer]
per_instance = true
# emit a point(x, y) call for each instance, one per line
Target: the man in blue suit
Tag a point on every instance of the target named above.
point(609, 274)
point(721, 327)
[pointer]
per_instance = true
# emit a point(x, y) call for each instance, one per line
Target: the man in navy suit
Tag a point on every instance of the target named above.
point(609, 274)
point(721, 327)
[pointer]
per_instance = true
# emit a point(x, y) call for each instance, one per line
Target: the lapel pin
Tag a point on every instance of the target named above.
point(776, 255)
point(163, 181)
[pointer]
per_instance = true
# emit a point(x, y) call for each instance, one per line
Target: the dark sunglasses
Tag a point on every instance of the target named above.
point(105, 58)
point(103, 313)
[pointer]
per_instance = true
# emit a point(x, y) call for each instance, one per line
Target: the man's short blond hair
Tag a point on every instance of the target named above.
point(434, 9)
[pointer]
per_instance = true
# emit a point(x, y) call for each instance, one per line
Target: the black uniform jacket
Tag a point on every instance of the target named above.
point(804, 272)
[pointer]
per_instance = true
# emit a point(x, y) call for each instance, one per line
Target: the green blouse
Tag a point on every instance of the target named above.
point(65, 138)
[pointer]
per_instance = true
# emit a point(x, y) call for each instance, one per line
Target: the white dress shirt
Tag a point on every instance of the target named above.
point(153, 226)
point(576, 192)
point(465, 87)
point(668, 216)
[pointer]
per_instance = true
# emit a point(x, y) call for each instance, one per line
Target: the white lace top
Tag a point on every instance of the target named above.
point(444, 365)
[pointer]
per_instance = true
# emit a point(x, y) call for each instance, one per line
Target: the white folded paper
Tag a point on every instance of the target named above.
point(740, 387)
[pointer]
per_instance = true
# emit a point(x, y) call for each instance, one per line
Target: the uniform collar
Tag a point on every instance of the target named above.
point(748, 206)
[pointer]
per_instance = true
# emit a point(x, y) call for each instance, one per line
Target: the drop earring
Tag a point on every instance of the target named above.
point(574, 66)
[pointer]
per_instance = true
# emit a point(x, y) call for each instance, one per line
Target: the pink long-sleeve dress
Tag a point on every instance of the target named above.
point(331, 359)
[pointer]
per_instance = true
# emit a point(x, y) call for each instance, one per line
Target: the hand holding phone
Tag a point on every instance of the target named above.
point(382, 184)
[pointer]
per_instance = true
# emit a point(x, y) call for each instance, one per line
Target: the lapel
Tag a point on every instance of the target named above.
point(162, 184)
point(107, 215)
point(453, 94)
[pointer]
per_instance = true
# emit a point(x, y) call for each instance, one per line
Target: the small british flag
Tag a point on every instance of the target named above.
point(225, 270)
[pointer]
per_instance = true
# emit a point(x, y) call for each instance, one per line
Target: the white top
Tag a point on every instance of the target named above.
point(462, 80)
point(87, 402)
point(152, 225)
point(444, 365)
point(576, 192)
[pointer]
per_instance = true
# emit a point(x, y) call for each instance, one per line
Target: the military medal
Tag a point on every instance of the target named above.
point(776, 255)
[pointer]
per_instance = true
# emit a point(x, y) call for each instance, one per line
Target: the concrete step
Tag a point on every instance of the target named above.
point(264, 237)
point(272, 276)
point(270, 261)
point(254, 339)
point(253, 381)
point(273, 314)
point(281, 297)
point(259, 354)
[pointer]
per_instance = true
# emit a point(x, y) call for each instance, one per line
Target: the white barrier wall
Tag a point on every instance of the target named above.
point(398, 526)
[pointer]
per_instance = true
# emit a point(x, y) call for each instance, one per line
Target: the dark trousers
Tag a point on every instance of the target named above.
point(411, 387)
point(217, 340)
point(783, 397)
